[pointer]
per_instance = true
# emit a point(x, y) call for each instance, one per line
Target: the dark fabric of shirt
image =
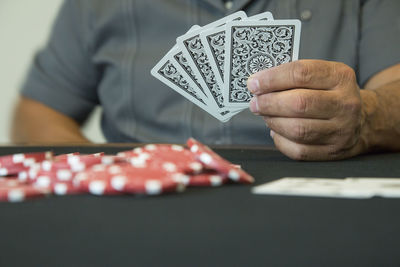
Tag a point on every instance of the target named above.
point(101, 52)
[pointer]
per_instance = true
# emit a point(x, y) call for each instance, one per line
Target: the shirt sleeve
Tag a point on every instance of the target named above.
point(62, 75)
point(379, 46)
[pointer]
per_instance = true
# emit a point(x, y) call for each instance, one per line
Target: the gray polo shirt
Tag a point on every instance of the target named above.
point(100, 53)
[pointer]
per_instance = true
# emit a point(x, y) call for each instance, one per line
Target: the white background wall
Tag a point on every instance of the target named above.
point(24, 28)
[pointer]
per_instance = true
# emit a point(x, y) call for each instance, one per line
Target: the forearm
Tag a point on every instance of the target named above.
point(381, 120)
point(34, 122)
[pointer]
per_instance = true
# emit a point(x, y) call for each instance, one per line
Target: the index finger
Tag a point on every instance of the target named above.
point(309, 74)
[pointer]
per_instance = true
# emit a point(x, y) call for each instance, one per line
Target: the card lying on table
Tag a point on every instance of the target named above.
point(210, 65)
point(360, 187)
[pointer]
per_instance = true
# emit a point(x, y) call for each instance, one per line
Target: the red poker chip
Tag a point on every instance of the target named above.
point(62, 175)
point(71, 156)
point(64, 188)
point(26, 159)
point(117, 179)
point(213, 161)
point(13, 169)
point(78, 163)
point(48, 165)
point(207, 179)
point(96, 181)
point(12, 190)
point(88, 159)
point(131, 153)
point(97, 185)
point(148, 181)
point(171, 158)
point(23, 177)
point(56, 187)
point(64, 157)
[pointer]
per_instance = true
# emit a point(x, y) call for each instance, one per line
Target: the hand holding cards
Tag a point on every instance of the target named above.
point(210, 65)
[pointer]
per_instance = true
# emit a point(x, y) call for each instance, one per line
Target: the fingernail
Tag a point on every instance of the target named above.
point(272, 133)
point(253, 84)
point(254, 105)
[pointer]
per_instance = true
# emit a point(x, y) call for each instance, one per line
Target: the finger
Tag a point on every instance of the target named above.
point(306, 152)
point(297, 103)
point(312, 74)
point(306, 131)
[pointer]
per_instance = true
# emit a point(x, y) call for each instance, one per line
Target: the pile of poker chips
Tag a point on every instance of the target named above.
point(149, 170)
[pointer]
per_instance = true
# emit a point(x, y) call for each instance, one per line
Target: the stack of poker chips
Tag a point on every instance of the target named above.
point(149, 170)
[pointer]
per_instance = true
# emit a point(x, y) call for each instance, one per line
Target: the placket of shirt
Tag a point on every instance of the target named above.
point(286, 9)
point(130, 26)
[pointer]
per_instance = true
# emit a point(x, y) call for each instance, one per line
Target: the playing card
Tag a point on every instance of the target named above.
point(193, 51)
point(252, 46)
point(187, 72)
point(213, 41)
point(178, 56)
point(169, 72)
point(379, 186)
point(180, 59)
point(174, 71)
point(313, 187)
point(262, 16)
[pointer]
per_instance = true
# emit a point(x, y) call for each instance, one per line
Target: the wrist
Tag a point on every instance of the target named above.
point(369, 136)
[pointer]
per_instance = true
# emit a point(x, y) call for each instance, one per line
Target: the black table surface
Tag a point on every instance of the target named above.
point(224, 226)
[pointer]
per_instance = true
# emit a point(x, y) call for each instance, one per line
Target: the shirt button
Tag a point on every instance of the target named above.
point(306, 15)
point(228, 4)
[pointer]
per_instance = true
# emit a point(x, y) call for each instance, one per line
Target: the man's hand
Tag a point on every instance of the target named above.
point(314, 108)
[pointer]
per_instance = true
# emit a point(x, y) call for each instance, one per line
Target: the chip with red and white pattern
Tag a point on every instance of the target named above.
point(210, 178)
point(25, 159)
point(213, 161)
point(125, 178)
point(172, 158)
point(12, 190)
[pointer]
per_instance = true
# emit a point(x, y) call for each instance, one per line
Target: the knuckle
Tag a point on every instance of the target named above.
point(301, 73)
point(352, 106)
point(346, 74)
point(300, 132)
point(344, 138)
point(261, 106)
point(350, 137)
point(301, 104)
point(336, 102)
point(333, 152)
point(340, 136)
point(337, 132)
